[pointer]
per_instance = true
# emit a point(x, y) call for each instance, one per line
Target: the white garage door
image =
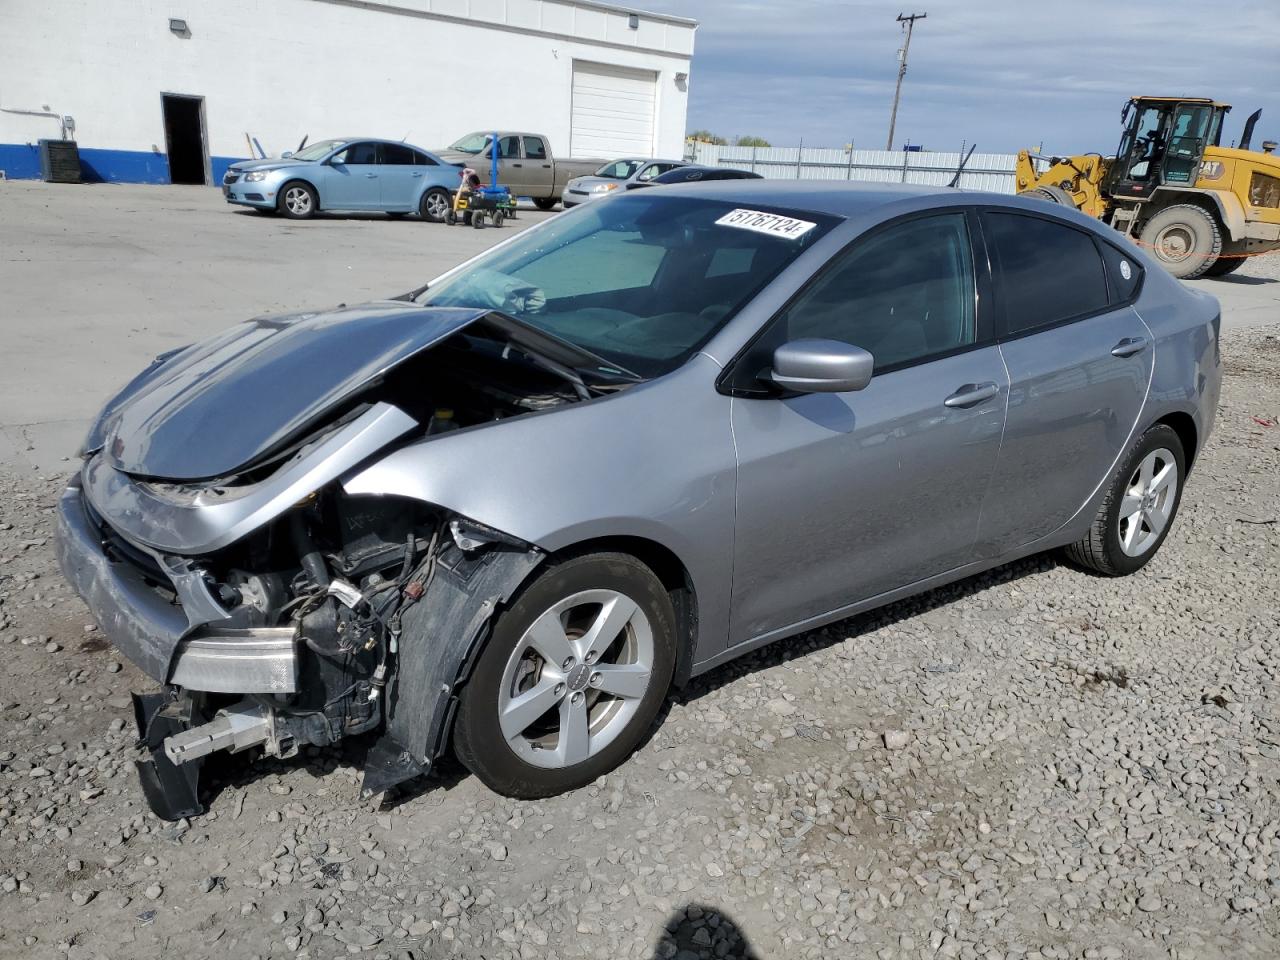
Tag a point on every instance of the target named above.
point(612, 111)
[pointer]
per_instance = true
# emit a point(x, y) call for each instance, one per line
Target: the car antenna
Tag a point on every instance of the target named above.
point(955, 181)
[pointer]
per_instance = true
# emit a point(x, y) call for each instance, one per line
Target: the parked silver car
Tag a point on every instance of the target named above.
point(615, 175)
point(508, 512)
point(345, 174)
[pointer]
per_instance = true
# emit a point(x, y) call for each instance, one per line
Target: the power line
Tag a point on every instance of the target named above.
point(910, 21)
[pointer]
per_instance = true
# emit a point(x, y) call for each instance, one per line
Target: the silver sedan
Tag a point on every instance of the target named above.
point(505, 514)
point(613, 176)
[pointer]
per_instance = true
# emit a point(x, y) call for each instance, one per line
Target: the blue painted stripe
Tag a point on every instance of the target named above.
point(21, 161)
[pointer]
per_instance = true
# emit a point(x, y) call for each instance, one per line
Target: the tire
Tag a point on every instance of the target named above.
point(298, 200)
point(546, 203)
point(436, 205)
point(1122, 540)
point(477, 220)
point(1051, 194)
point(533, 758)
point(1185, 239)
point(1232, 259)
point(498, 217)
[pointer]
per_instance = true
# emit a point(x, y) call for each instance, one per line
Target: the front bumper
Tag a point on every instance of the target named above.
point(131, 613)
point(258, 193)
point(166, 639)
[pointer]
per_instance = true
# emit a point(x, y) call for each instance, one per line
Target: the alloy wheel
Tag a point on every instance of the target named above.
point(298, 200)
point(576, 678)
point(437, 206)
point(1148, 502)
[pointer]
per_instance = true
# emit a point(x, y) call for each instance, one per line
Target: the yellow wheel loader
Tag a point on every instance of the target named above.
point(1198, 207)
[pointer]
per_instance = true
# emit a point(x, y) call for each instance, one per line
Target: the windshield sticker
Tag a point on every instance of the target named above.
point(776, 225)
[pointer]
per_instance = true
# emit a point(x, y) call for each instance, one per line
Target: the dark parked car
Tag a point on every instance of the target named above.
point(508, 513)
point(693, 174)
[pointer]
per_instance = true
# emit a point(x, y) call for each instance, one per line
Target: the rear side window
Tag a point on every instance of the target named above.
point(397, 154)
point(1123, 272)
point(534, 148)
point(1047, 272)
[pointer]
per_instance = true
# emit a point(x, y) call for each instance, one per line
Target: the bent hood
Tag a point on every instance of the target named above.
point(219, 406)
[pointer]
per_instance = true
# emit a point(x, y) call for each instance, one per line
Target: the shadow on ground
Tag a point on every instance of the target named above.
point(698, 931)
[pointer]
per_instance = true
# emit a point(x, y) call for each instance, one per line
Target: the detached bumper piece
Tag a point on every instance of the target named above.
point(172, 791)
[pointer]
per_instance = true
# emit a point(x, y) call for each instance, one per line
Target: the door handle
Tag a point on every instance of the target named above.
point(417, 173)
point(971, 394)
point(517, 164)
point(546, 166)
point(371, 176)
point(1129, 346)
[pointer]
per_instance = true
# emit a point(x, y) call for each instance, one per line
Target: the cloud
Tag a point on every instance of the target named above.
point(1003, 73)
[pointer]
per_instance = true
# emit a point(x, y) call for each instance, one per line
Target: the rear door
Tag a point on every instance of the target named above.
point(537, 170)
point(401, 174)
point(1079, 360)
point(351, 182)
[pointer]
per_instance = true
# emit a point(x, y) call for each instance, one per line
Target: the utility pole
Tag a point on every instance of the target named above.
point(910, 21)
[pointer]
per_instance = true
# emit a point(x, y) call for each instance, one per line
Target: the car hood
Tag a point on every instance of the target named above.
point(242, 166)
point(217, 407)
point(473, 160)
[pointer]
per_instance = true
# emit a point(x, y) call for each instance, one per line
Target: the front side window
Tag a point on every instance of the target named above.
point(357, 153)
point(508, 148)
point(643, 280)
point(903, 294)
point(1046, 271)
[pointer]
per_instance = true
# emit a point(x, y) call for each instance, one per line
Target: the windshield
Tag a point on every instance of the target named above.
point(317, 150)
point(619, 169)
point(471, 143)
point(642, 281)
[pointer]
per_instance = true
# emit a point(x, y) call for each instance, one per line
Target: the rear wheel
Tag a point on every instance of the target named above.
point(546, 203)
point(1139, 509)
point(570, 680)
point(1185, 239)
point(435, 205)
point(298, 200)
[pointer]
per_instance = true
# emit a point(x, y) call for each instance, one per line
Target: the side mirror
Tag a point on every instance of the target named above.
point(286, 155)
point(821, 366)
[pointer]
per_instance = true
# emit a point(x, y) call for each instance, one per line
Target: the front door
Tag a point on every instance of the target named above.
point(351, 180)
point(842, 497)
point(1080, 362)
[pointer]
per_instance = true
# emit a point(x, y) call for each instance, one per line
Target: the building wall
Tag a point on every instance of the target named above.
point(427, 71)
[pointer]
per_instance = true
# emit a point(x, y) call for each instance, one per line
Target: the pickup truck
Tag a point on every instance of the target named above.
point(525, 164)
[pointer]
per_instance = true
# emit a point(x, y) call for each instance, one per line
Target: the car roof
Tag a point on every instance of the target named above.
point(842, 198)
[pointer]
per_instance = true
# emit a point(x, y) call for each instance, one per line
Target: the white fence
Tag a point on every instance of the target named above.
point(984, 171)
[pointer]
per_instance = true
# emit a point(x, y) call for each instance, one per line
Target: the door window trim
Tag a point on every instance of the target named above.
point(736, 380)
point(1002, 331)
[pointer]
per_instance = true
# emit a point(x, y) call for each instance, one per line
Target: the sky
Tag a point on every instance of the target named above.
point(1005, 74)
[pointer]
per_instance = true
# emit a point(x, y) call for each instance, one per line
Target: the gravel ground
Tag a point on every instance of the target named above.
point(1031, 763)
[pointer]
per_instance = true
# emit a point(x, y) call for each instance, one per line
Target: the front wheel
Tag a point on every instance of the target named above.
point(1139, 508)
point(546, 203)
point(571, 679)
point(298, 201)
point(435, 205)
point(1185, 239)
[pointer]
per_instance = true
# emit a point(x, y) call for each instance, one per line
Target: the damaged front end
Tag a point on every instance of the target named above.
point(276, 610)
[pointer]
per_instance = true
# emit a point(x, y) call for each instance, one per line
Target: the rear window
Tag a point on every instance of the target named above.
point(1046, 271)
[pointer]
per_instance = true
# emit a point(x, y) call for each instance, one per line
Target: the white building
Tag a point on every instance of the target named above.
point(162, 91)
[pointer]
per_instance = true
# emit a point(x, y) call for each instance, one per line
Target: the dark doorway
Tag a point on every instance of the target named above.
point(184, 138)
